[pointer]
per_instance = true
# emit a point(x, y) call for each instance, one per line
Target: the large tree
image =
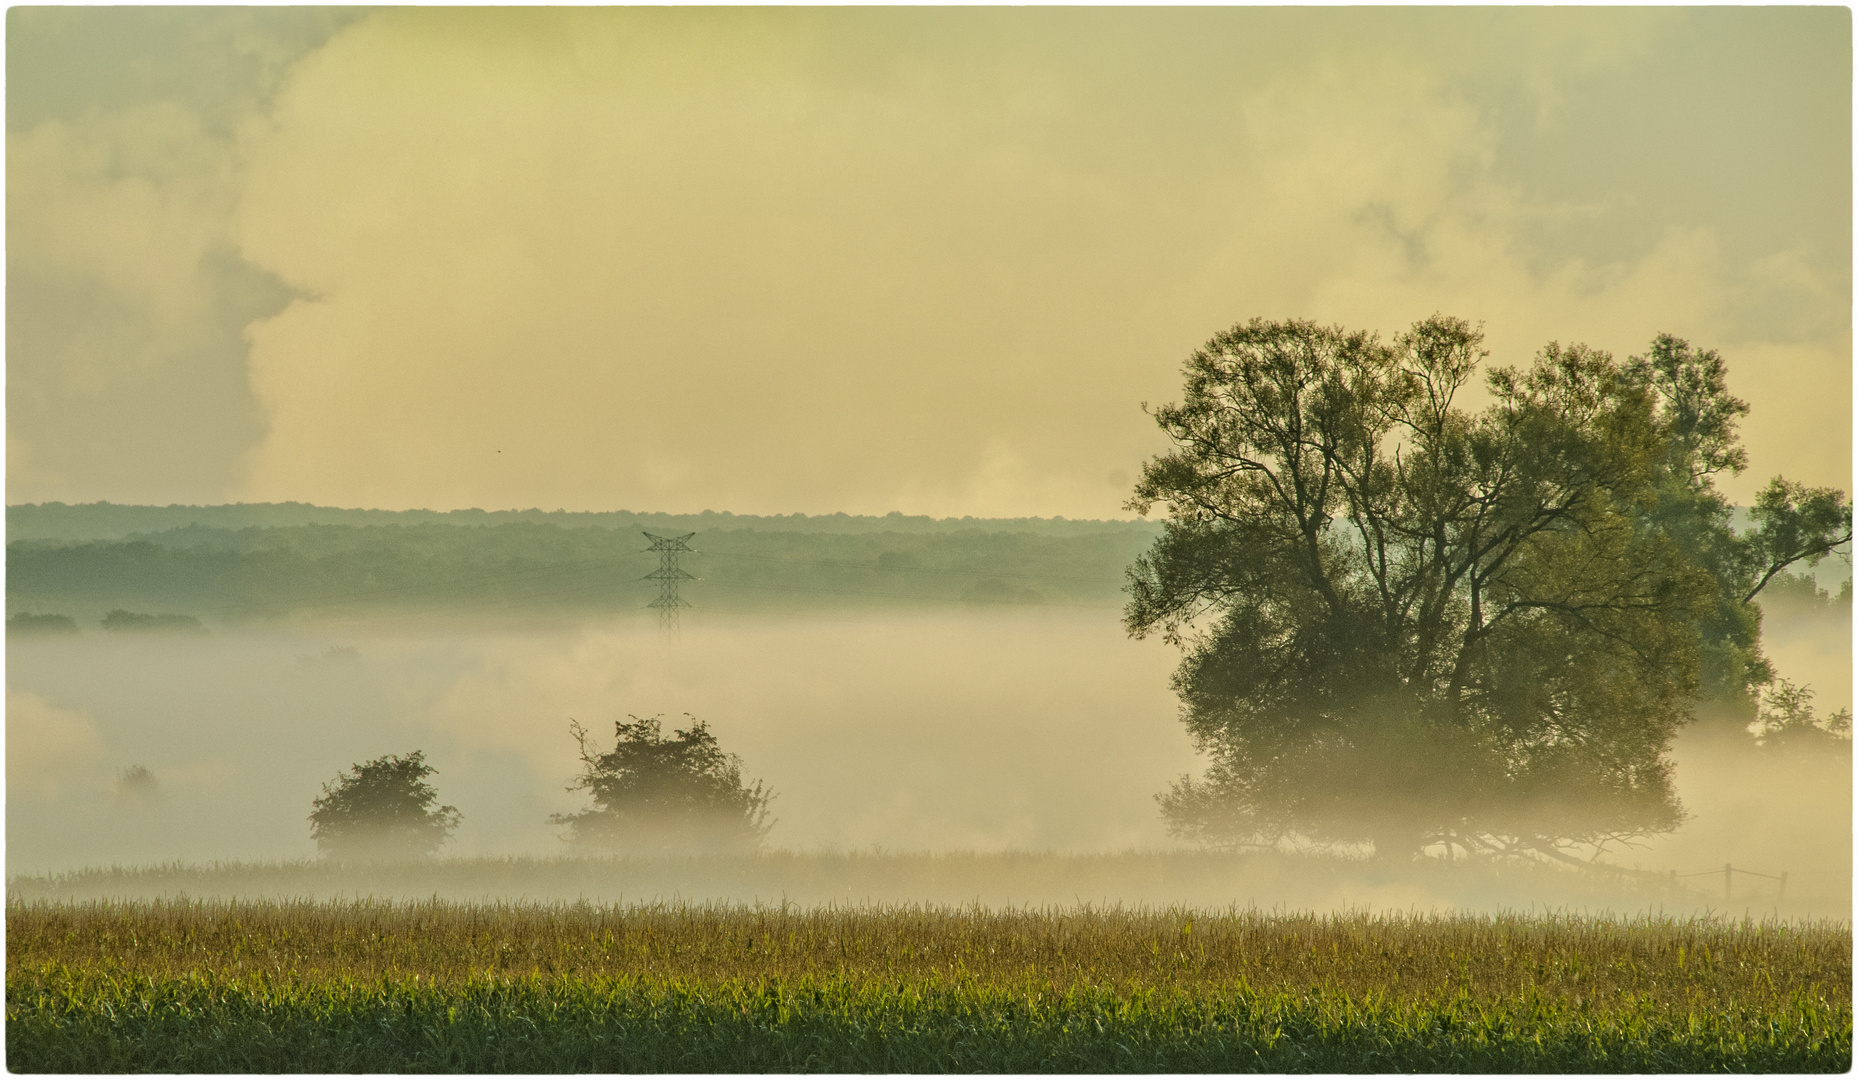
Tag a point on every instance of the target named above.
point(1406, 622)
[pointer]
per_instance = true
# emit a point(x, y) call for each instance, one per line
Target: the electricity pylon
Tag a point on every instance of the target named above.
point(667, 576)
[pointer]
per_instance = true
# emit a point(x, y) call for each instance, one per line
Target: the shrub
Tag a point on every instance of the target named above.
point(137, 784)
point(654, 794)
point(383, 809)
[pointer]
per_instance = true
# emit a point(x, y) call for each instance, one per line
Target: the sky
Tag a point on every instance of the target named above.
point(778, 260)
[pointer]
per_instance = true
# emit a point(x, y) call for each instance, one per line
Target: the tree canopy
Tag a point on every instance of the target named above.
point(1791, 523)
point(382, 809)
point(1407, 622)
point(653, 793)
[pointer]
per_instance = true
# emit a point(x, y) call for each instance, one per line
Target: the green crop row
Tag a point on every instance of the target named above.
point(61, 1020)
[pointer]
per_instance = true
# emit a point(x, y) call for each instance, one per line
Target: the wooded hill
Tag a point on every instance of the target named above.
point(247, 564)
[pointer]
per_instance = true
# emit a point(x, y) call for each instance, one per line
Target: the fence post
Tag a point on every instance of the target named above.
point(1727, 870)
point(1783, 892)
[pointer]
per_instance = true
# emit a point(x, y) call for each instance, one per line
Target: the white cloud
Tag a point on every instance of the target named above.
point(778, 260)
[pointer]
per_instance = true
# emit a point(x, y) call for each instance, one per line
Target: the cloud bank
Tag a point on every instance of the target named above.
point(863, 260)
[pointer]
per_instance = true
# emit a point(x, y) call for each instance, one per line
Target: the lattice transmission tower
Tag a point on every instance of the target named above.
point(668, 574)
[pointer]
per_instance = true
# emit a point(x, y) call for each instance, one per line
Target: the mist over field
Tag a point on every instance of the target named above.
point(338, 340)
point(996, 733)
point(916, 731)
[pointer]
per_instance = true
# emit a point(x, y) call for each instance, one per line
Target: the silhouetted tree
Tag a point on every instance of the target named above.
point(1788, 719)
point(382, 809)
point(657, 794)
point(1408, 623)
point(137, 784)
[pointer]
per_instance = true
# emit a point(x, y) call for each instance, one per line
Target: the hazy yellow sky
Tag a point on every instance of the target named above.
point(931, 260)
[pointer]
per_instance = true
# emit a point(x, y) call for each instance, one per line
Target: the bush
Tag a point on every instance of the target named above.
point(383, 809)
point(137, 784)
point(654, 794)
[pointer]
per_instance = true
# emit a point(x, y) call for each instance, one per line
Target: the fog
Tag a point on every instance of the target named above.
point(994, 735)
point(586, 258)
point(951, 732)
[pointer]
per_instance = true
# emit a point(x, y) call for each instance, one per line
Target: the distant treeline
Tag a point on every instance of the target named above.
point(112, 521)
point(530, 563)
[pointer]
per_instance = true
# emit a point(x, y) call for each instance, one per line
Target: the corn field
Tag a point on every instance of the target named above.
point(365, 986)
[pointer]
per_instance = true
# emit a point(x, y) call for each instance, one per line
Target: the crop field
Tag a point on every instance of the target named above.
point(433, 986)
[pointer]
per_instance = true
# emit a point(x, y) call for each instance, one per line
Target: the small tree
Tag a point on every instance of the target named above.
point(137, 784)
point(1787, 718)
point(657, 794)
point(383, 809)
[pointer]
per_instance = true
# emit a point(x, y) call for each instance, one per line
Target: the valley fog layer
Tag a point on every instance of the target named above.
point(971, 732)
point(976, 732)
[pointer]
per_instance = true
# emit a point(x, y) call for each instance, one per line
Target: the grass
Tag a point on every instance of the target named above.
point(1203, 879)
point(433, 986)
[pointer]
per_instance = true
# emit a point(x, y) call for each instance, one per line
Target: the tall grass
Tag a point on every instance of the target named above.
point(337, 987)
point(1192, 878)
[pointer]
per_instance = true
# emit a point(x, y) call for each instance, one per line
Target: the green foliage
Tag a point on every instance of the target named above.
point(382, 809)
point(1406, 623)
point(675, 794)
point(431, 987)
point(23, 624)
point(1790, 523)
point(543, 1024)
point(1697, 417)
point(1794, 523)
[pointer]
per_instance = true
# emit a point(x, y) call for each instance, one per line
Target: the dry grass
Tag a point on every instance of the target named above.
point(1668, 960)
point(1199, 879)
